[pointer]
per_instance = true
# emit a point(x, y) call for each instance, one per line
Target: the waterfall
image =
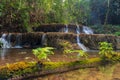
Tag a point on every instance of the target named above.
point(87, 30)
point(66, 29)
point(4, 41)
point(78, 29)
point(18, 41)
point(78, 39)
point(80, 44)
point(9, 40)
point(5, 45)
point(43, 41)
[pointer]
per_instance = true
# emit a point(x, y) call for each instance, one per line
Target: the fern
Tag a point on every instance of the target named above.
point(42, 53)
point(81, 53)
point(106, 50)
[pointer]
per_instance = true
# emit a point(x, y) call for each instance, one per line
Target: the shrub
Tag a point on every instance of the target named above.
point(106, 29)
point(81, 53)
point(117, 33)
point(65, 45)
point(106, 50)
point(67, 48)
point(17, 69)
point(42, 53)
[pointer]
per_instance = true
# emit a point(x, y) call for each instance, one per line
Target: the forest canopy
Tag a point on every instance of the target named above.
point(34, 12)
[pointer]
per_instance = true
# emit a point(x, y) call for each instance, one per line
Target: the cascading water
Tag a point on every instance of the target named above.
point(80, 44)
point(18, 41)
point(78, 39)
point(5, 45)
point(43, 41)
point(66, 29)
point(4, 41)
point(87, 30)
point(78, 29)
point(9, 40)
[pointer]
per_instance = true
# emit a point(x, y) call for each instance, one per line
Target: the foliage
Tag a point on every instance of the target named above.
point(25, 69)
point(114, 14)
point(106, 29)
point(14, 14)
point(81, 53)
point(77, 11)
point(17, 69)
point(117, 33)
point(99, 11)
point(20, 69)
point(67, 49)
point(65, 45)
point(42, 53)
point(107, 54)
point(25, 14)
point(106, 50)
point(54, 65)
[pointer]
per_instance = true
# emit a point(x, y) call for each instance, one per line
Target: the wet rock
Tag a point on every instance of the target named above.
point(55, 28)
point(91, 41)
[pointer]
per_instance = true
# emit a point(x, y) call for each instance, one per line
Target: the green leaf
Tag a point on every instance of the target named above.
point(42, 53)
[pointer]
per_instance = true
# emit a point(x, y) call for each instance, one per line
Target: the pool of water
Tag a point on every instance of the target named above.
point(15, 55)
point(100, 73)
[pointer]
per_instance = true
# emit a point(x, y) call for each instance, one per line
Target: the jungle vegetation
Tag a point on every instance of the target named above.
point(29, 13)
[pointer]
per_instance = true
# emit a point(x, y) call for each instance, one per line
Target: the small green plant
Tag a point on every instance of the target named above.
point(106, 50)
point(68, 49)
point(65, 45)
point(81, 53)
point(42, 53)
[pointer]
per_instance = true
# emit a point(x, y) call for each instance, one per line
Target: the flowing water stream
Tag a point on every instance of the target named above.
point(78, 39)
point(66, 29)
point(4, 42)
point(87, 30)
point(43, 40)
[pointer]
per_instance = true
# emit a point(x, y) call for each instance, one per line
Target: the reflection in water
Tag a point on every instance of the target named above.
point(3, 52)
point(11, 55)
point(109, 72)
